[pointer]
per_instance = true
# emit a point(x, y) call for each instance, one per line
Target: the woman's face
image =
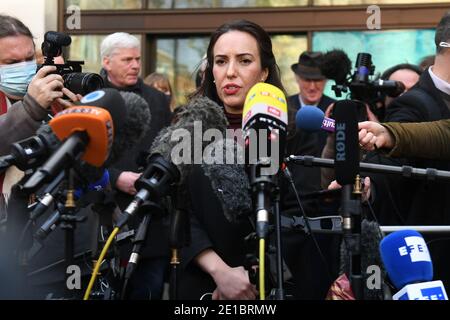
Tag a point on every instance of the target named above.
point(236, 68)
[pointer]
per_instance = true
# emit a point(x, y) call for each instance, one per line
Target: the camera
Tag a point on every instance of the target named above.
point(74, 79)
point(360, 85)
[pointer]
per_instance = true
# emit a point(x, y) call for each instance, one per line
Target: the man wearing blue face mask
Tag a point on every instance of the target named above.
point(24, 95)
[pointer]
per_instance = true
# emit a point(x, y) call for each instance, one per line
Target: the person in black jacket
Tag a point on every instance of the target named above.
point(214, 263)
point(121, 64)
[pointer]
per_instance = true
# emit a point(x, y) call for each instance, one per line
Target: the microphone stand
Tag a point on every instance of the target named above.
point(69, 221)
point(351, 226)
point(279, 293)
point(406, 171)
point(266, 199)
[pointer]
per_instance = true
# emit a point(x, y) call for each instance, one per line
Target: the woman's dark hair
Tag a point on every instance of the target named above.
point(207, 87)
point(10, 26)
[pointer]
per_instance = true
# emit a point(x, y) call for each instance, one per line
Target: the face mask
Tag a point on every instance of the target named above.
point(14, 78)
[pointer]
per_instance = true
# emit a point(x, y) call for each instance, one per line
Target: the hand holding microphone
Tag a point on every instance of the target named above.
point(373, 135)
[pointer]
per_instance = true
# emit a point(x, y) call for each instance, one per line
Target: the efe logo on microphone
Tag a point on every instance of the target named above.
point(416, 248)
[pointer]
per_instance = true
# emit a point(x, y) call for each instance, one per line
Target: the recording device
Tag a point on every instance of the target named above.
point(337, 66)
point(408, 263)
point(74, 79)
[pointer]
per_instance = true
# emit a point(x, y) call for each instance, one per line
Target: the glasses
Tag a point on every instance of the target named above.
point(444, 44)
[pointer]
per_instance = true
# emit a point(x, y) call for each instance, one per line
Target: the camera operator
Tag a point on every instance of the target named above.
point(33, 93)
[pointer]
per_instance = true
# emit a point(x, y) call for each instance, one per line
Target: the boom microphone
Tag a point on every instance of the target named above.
point(408, 264)
point(336, 65)
point(170, 159)
point(134, 127)
point(224, 167)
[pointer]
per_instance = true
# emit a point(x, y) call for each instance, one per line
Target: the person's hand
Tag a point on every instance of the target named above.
point(233, 284)
point(373, 135)
point(365, 192)
point(46, 88)
point(126, 180)
point(61, 104)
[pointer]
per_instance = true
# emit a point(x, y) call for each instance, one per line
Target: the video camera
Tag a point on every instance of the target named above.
point(76, 81)
point(337, 66)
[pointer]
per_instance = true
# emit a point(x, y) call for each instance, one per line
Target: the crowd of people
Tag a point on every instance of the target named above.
point(215, 262)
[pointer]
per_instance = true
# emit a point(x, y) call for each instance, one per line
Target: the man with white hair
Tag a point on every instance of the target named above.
point(121, 61)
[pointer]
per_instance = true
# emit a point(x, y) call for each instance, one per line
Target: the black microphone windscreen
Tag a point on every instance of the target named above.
point(201, 113)
point(111, 100)
point(45, 133)
point(223, 165)
point(336, 65)
point(58, 38)
point(346, 141)
point(135, 125)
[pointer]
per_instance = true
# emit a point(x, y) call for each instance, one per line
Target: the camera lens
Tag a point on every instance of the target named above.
point(82, 83)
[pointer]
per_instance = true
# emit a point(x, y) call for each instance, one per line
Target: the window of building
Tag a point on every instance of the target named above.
point(105, 4)
point(190, 4)
point(369, 2)
point(387, 48)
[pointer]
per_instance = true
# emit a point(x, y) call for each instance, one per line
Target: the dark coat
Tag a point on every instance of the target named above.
point(405, 201)
point(210, 229)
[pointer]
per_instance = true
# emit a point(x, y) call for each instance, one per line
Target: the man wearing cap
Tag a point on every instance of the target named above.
point(311, 83)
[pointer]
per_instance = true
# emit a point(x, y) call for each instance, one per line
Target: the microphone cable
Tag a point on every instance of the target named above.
point(99, 262)
point(288, 175)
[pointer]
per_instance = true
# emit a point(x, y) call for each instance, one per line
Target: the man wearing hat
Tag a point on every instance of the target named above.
point(311, 83)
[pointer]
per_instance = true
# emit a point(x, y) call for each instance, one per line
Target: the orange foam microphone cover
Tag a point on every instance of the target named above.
point(95, 121)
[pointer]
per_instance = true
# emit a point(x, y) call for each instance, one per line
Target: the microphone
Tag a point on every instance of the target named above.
point(52, 222)
point(311, 118)
point(264, 125)
point(31, 152)
point(137, 123)
point(89, 123)
point(228, 178)
point(58, 38)
point(170, 159)
point(346, 141)
point(87, 133)
point(408, 263)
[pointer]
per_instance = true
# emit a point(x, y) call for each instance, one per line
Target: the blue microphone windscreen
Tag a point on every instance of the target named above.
point(309, 118)
point(406, 258)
